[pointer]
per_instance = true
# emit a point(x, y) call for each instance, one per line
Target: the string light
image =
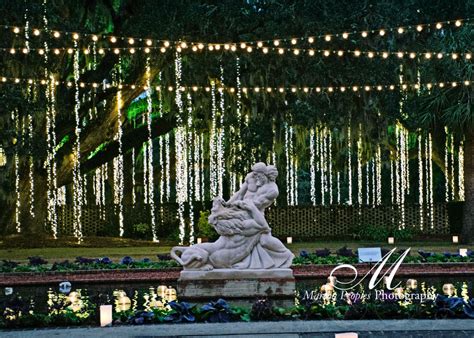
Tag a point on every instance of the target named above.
point(31, 158)
point(312, 171)
point(180, 152)
point(221, 138)
point(461, 171)
point(149, 146)
point(349, 162)
point(359, 166)
point(77, 181)
point(191, 194)
point(420, 180)
point(213, 171)
point(16, 122)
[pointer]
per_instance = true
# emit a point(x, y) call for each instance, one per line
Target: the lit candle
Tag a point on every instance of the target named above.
point(412, 284)
point(289, 240)
point(346, 335)
point(463, 252)
point(199, 240)
point(391, 240)
point(455, 239)
point(105, 315)
point(448, 289)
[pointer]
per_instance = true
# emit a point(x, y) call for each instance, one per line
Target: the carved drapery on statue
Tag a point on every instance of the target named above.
point(245, 240)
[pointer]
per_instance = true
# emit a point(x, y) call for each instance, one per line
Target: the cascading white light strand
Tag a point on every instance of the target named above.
point(77, 181)
point(295, 179)
point(213, 171)
point(322, 163)
point(421, 180)
point(312, 171)
point(221, 137)
point(134, 197)
point(367, 182)
point(349, 162)
point(430, 163)
point(338, 187)
point(31, 168)
point(290, 166)
point(198, 195)
point(27, 27)
point(16, 122)
point(446, 165)
point(359, 166)
point(167, 166)
point(118, 161)
point(149, 146)
point(104, 178)
point(191, 174)
point(62, 195)
point(330, 166)
point(452, 165)
point(378, 173)
point(180, 151)
point(461, 171)
point(202, 158)
point(240, 120)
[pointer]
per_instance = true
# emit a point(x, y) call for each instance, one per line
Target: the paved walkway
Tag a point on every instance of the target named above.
point(292, 329)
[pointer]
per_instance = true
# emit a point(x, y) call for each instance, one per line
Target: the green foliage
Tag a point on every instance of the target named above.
point(205, 229)
point(381, 233)
point(141, 231)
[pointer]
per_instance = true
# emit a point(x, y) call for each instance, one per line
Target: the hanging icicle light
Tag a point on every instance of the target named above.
point(312, 171)
point(77, 181)
point(349, 162)
point(16, 122)
point(378, 173)
point(213, 170)
point(461, 171)
point(421, 180)
point(359, 166)
point(149, 146)
point(31, 167)
point(221, 137)
point(191, 175)
point(329, 151)
point(180, 152)
point(134, 197)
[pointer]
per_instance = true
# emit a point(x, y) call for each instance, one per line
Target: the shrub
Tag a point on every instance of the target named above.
point(205, 229)
point(141, 231)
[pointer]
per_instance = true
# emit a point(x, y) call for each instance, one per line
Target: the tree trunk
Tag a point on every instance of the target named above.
point(468, 215)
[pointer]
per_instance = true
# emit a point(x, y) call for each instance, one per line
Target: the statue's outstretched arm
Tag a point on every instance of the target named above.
point(239, 195)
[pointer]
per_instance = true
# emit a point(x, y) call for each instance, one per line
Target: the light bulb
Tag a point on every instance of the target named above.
point(75, 36)
point(210, 47)
point(56, 34)
point(113, 39)
point(36, 32)
point(412, 55)
point(194, 48)
point(439, 25)
point(149, 42)
point(281, 51)
point(184, 45)
point(355, 88)
point(454, 56)
point(343, 89)
point(345, 35)
point(296, 51)
point(116, 51)
point(16, 30)
point(132, 50)
point(400, 30)
point(95, 38)
point(243, 45)
point(260, 44)
point(101, 51)
point(281, 90)
point(419, 28)
point(367, 88)
point(428, 55)
point(310, 39)
point(249, 49)
point(233, 48)
point(293, 41)
point(12, 51)
point(468, 56)
point(357, 53)
point(311, 52)
point(226, 46)
point(131, 41)
point(379, 88)
point(382, 32)
point(269, 90)
point(326, 53)
point(163, 49)
point(166, 43)
point(370, 55)
point(439, 55)
point(400, 54)
point(457, 23)
point(147, 50)
point(340, 53)
point(467, 83)
point(327, 38)
point(364, 34)
point(276, 42)
point(265, 50)
point(385, 55)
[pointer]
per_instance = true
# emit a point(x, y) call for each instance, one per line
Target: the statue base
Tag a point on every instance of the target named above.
point(235, 283)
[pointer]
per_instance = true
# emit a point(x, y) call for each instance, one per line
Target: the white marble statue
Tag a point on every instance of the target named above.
point(245, 240)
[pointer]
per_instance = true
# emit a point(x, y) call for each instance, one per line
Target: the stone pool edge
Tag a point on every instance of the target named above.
point(301, 272)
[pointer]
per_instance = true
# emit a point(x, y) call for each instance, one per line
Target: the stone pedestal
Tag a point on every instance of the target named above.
point(234, 283)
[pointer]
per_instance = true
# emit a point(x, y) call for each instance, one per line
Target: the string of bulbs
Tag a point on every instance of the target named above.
point(256, 89)
point(296, 51)
point(327, 37)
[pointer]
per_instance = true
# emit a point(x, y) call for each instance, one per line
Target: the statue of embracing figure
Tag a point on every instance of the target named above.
point(245, 240)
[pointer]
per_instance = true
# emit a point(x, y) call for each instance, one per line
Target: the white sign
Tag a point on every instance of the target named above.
point(368, 255)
